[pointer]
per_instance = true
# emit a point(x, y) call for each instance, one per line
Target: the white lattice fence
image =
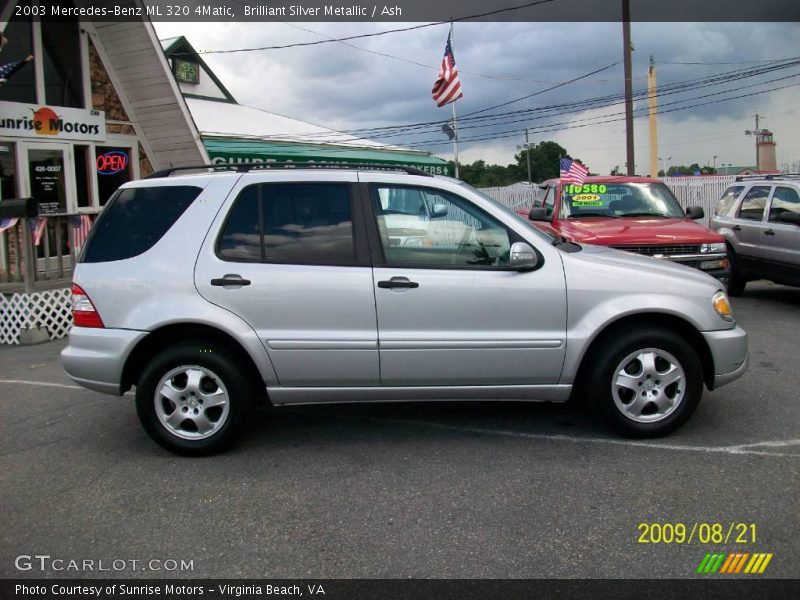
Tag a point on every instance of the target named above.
point(704, 190)
point(50, 309)
point(514, 196)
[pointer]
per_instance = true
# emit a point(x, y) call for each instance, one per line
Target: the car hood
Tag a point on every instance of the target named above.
point(636, 231)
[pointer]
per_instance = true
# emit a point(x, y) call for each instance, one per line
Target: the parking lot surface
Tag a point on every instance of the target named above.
point(444, 490)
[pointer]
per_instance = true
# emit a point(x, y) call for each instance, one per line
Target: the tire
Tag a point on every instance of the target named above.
point(737, 282)
point(660, 388)
point(201, 383)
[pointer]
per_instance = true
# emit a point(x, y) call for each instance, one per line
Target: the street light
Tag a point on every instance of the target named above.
point(662, 164)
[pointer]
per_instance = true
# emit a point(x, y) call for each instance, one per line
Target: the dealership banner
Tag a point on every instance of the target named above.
point(51, 122)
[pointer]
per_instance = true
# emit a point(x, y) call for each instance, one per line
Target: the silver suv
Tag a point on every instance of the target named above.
point(213, 293)
point(759, 217)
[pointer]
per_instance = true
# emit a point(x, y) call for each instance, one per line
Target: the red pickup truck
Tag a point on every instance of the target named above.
point(636, 214)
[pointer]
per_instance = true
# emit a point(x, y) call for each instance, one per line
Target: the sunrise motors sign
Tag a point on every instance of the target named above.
point(51, 122)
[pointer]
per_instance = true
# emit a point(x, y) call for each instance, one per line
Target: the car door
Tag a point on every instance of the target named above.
point(290, 258)
point(450, 311)
point(781, 240)
point(750, 225)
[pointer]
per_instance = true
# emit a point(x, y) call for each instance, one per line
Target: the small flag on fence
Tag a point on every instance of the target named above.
point(38, 226)
point(447, 87)
point(81, 224)
point(571, 171)
point(7, 224)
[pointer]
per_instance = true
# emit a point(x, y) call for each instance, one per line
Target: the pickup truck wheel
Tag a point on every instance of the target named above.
point(736, 282)
point(191, 399)
point(646, 381)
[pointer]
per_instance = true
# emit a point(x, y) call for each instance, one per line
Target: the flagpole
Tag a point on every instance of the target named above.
point(453, 104)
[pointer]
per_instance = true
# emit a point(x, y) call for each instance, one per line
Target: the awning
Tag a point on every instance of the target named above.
point(233, 150)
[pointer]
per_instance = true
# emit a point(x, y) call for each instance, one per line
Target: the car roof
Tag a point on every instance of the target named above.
point(610, 179)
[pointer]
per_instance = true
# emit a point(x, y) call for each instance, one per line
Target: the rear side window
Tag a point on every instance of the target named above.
point(728, 199)
point(296, 223)
point(785, 199)
point(135, 219)
point(754, 203)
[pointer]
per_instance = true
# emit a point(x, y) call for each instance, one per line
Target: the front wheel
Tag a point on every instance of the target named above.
point(736, 282)
point(645, 381)
point(191, 399)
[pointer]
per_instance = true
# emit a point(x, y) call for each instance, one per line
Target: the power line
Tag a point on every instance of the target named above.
point(380, 33)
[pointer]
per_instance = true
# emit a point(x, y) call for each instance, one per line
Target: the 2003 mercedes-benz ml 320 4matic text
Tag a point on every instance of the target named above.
point(213, 292)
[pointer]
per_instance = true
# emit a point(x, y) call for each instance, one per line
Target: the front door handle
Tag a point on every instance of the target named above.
point(231, 279)
point(769, 232)
point(398, 282)
point(736, 228)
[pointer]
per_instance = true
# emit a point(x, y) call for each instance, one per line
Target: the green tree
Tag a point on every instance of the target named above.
point(545, 158)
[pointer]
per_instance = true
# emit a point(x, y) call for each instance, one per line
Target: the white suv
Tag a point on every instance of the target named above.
point(213, 292)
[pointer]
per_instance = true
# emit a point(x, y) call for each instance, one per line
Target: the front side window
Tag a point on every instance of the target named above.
point(728, 199)
point(785, 199)
point(619, 200)
point(294, 223)
point(754, 203)
point(549, 200)
point(449, 233)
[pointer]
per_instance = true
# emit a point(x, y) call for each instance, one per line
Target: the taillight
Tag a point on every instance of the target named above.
point(84, 314)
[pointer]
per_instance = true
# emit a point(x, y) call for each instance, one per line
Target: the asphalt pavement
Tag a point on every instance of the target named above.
point(445, 490)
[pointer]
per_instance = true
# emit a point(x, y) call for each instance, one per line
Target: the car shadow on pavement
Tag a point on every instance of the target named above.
point(789, 296)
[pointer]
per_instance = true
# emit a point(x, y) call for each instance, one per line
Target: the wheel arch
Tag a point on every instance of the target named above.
point(175, 333)
point(675, 323)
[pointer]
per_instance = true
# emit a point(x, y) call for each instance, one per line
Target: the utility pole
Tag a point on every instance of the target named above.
point(453, 104)
point(754, 133)
point(626, 42)
point(528, 154)
point(651, 105)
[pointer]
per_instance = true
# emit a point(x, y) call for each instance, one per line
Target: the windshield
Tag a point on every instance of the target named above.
point(619, 200)
point(507, 210)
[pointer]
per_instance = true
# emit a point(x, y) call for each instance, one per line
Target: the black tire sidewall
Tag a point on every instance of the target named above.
point(214, 358)
point(613, 350)
point(736, 282)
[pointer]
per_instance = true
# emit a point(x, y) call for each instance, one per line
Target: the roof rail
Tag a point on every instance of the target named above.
point(246, 167)
point(770, 177)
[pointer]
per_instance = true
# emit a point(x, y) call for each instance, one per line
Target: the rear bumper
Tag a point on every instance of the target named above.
point(729, 352)
point(94, 358)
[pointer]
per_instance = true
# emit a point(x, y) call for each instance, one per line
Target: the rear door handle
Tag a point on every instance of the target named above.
point(231, 279)
point(736, 228)
point(769, 232)
point(398, 282)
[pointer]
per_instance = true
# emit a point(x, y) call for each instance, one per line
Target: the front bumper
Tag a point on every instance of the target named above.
point(729, 353)
point(95, 358)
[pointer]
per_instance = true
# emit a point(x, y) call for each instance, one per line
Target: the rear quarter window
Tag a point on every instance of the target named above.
point(135, 219)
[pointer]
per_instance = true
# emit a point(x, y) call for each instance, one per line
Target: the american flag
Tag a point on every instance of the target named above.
point(7, 224)
point(8, 69)
point(447, 87)
point(81, 224)
point(38, 226)
point(571, 171)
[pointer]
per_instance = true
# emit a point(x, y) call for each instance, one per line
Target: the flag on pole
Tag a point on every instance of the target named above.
point(447, 87)
point(571, 171)
point(8, 69)
point(38, 226)
point(7, 224)
point(81, 224)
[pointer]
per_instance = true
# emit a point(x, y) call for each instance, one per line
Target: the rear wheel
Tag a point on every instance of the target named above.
point(644, 382)
point(192, 400)
point(737, 282)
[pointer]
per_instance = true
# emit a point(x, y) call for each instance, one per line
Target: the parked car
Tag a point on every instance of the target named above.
point(215, 292)
point(636, 214)
point(759, 217)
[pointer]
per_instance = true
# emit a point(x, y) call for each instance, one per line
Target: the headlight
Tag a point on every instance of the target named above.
point(722, 306)
point(712, 248)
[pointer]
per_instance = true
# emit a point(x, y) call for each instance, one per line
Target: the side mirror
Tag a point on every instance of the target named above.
point(695, 212)
point(538, 213)
point(439, 210)
point(522, 257)
point(790, 217)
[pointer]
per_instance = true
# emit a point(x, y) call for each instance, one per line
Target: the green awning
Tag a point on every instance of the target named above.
point(238, 150)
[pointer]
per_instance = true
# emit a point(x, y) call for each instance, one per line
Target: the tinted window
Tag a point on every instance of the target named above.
point(302, 224)
point(728, 199)
point(754, 203)
point(450, 233)
point(135, 219)
point(785, 199)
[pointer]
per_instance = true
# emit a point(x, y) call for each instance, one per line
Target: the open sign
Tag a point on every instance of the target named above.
point(111, 162)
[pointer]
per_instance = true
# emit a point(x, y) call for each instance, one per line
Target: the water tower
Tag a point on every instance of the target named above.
point(765, 151)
